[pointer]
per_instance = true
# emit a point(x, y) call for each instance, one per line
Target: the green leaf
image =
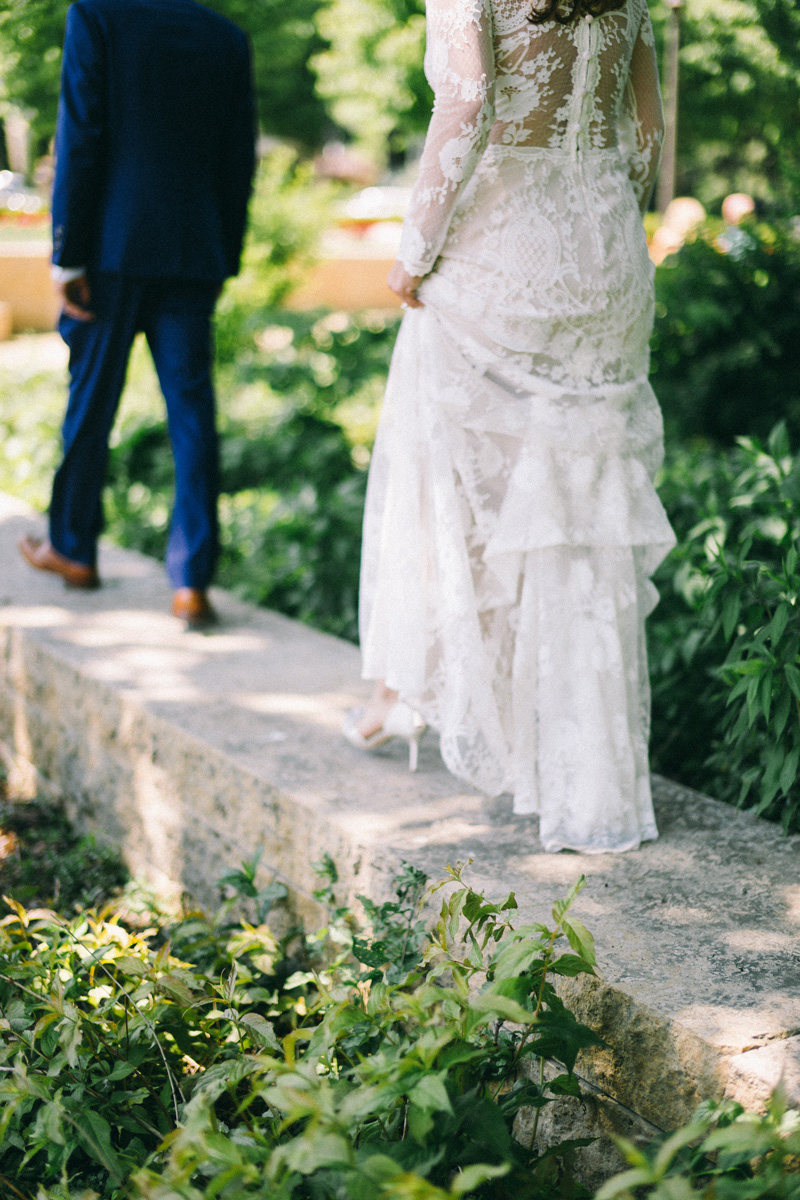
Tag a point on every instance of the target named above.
point(789, 770)
point(580, 939)
point(71, 1035)
point(430, 1094)
point(240, 883)
point(571, 964)
point(559, 1036)
point(261, 1030)
point(792, 673)
point(491, 1004)
point(731, 607)
point(515, 958)
point(95, 1135)
point(562, 906)
point(380, 1168)
point(372, 954)
point(777, 626)
point(176, 988)
point(120, 1071)
point(137, 967)
point(470, 1178)
point(420, 1123)
point(316, 1148)
point(781, 714)
point(778, 442)
point(624, 1184)
point(564, 1085)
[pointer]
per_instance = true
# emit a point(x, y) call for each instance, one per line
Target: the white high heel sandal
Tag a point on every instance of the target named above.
point(400, 721)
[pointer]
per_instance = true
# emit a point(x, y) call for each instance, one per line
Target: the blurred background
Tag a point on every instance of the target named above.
point(304, 335)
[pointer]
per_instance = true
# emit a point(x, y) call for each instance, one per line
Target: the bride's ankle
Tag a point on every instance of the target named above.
point(382, 700)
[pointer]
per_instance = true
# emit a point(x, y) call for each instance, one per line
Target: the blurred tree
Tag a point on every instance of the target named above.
point(283, 36)
point(371, 75)
point(739, 120)
point(31, 33)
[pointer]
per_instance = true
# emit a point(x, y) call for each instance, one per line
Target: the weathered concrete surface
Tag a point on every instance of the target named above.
point(192, 751)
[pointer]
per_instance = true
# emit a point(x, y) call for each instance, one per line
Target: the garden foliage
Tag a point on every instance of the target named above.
point(724, 1153)
point(370, 73)
point(725, 350)
point(203, 1058)
point(725, 640)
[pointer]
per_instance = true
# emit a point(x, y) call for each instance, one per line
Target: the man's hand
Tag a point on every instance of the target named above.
point(405, 285)
point(77, 297)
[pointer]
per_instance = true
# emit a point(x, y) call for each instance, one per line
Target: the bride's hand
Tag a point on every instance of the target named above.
point(405, 285)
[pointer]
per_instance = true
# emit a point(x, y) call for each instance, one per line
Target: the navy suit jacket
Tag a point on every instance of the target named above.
point(154, 142)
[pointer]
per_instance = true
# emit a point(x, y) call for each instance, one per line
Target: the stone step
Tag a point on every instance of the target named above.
point(191, 752)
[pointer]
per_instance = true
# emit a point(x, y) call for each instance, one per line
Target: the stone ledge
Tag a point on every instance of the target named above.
point(190, 752)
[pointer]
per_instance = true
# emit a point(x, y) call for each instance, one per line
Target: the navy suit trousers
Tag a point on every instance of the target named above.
point(175, 316)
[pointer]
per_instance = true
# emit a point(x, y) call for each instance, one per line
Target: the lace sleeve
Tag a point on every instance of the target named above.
point(642, 107)
point(459, 63)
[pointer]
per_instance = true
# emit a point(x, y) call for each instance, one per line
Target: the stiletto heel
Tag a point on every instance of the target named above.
point(413, 748)
point(401, 721)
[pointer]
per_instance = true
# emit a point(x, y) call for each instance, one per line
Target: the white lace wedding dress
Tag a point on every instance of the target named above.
point(511, 523)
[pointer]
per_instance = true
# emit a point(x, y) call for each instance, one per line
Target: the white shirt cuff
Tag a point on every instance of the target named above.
point(66, 274)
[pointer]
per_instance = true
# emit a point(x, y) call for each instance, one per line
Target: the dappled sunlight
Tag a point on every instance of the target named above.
point(37, 616)
point(160, 836)
point(792, 897)
point(736, 1030)
point(764, 941)
point(320, 708)
point(154, 674)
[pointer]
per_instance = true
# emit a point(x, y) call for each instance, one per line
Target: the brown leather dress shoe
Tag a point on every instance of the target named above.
point(42, 555)
point(193, 606)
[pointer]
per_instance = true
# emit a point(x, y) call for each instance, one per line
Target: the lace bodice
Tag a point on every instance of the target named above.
point(572, 89)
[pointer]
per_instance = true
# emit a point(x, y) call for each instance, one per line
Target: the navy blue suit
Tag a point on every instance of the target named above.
point(154, 161)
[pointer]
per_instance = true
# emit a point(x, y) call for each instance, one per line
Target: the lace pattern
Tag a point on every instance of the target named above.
point(497, 77)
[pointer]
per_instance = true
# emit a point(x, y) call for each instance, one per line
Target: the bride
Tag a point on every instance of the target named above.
point(511, 524)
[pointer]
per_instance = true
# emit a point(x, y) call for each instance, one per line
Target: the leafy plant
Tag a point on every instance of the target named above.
point(759, 743)
point(388, 1065)
point(725, 640)
point(724, 1153)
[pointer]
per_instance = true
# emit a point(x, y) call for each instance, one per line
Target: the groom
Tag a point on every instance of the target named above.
point(154, 162)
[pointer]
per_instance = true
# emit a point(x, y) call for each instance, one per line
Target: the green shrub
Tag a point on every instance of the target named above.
point(724, 641)
point(203, 1060)
point(288, 211)
point(725, 349)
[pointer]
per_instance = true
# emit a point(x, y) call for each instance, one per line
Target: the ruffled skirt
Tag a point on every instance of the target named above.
point(511, 524)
